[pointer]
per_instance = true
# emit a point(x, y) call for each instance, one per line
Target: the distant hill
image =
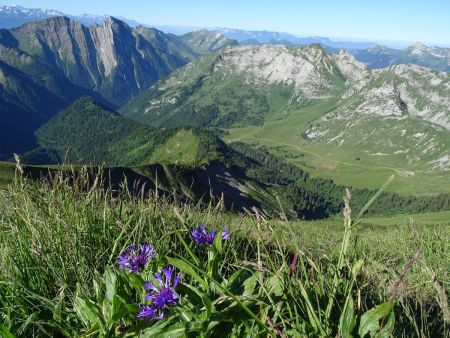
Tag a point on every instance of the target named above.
point(204, 41)
point(280, 38)
point(89, 133)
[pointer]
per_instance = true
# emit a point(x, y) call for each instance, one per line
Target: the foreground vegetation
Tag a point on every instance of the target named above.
point(59, 276)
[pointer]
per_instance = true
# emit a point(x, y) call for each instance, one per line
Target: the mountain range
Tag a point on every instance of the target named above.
point(372, 54)
point(45, 65)
point(287, 39)
point(252, 86)
point(14, 16)
point(326, 113)
point(437, 58)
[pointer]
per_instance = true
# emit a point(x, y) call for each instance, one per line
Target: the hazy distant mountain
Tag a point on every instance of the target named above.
point(264, 37)
point(437, 58)
point(14, 16)
point(204, 41)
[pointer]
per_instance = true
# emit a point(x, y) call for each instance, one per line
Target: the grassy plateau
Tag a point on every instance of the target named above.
point(346, 165)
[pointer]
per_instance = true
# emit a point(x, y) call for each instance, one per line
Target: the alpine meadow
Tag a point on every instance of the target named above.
point(224, 169)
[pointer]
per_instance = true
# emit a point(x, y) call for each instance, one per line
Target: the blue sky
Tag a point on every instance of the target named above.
point(379, 20)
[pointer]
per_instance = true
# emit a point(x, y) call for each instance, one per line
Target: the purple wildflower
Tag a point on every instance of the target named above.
point(204, 236)
point(161, 293)
point(134, 259)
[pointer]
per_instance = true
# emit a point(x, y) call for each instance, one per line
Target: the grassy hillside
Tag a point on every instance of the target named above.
point(200, 167)
point(6, 174)
point(350, 164)
point(89, 133)
point(215, 92)
point(59, 272)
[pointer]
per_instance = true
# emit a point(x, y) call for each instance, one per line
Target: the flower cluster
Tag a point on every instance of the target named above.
point(161, 293)
point(204, 236)
point(135, 259)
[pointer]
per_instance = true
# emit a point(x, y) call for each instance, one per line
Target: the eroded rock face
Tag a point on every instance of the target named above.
point(352, 69)
point(308, 68)
point(111, 59)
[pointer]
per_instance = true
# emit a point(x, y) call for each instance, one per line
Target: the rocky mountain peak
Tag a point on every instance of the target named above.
point(352, 69)
point(110, 58)
point(377, 48)
point(418, 48)
point(111, 21)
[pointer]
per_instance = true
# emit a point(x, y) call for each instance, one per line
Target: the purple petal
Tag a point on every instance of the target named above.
point(134, 259)
point(147, 312)
point(168, 272)
point(177, 280)
point(150, 286)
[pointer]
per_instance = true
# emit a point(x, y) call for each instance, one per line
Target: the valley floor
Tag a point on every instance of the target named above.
point(350, 166)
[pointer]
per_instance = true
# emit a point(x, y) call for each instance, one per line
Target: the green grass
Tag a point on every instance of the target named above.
point(58, 274)
point(182, 148)
point(442, 218)
point(6, 174)
point(349, 166)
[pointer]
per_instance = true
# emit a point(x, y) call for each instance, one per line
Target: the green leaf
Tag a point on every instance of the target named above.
point(111, 284)
point(118, 308)
point(176, 330)
point(137, 282)
point(5, 333)
point(347, 321)
point(93, 330)
point(208, 306)
point(250, 285)
point(190, 292)
point(188, 269)
point(89, 313)
point(374, 320)
point(106, 309)
point(274, 285)
point(217, 245)
point(57, 313)
point(374, 197)
point(188, 249)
